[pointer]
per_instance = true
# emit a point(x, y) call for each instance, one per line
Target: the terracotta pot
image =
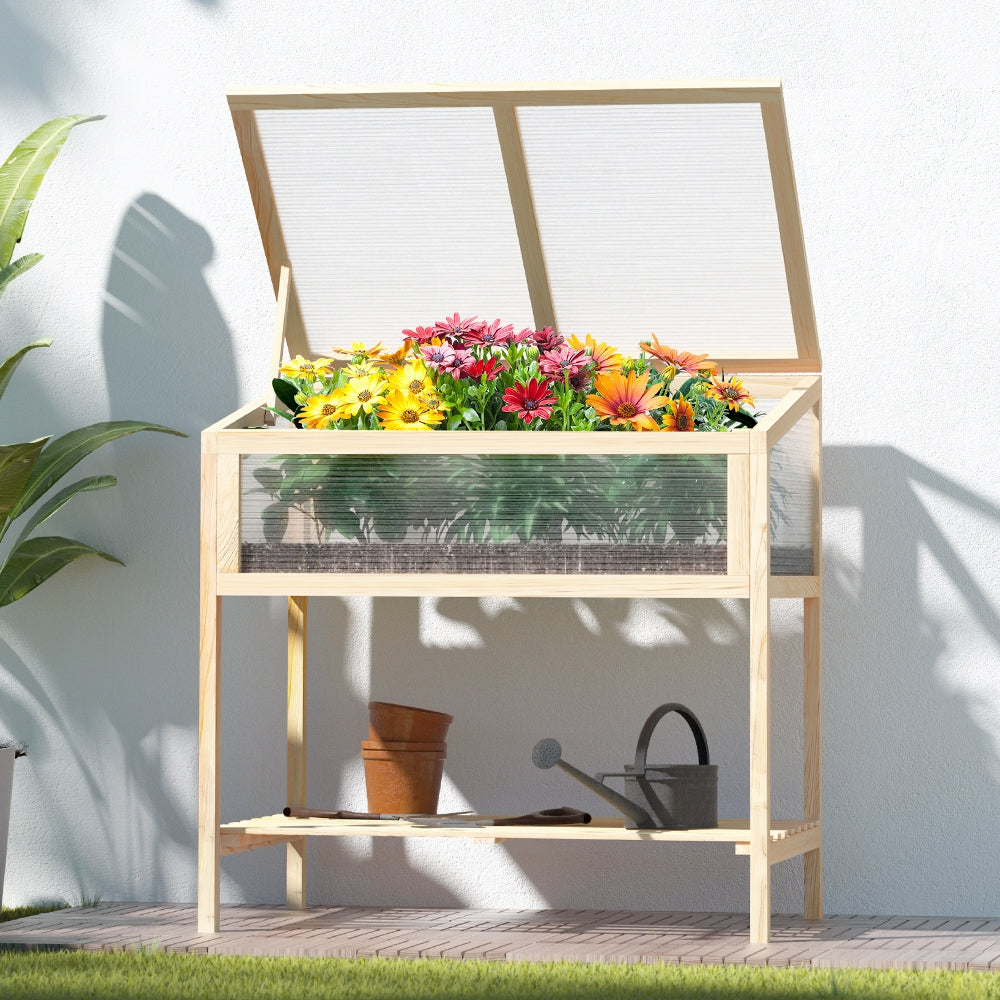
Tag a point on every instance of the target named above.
point(404, 722)
point(403, 781)
point(406, 745)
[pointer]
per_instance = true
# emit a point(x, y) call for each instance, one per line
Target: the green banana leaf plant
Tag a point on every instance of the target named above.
point(29, 470)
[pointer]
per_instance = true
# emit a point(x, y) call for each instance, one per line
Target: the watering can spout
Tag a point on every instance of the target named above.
point(548, 753)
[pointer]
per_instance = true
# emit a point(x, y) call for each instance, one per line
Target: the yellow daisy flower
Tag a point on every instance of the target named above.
point(404, 412)
point(361, 393)
point(320, 412)
point(299, 367)
point(412, 379)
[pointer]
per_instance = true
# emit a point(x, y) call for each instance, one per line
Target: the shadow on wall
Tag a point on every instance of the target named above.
point(905, 749)
point(27, 59)
point(114, 731)
point(168, 357)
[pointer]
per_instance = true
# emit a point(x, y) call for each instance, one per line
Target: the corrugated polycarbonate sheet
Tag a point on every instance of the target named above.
point(793, 506)
point(393, 219)
point(484, 513)
point(652, 218)
point(661, 218)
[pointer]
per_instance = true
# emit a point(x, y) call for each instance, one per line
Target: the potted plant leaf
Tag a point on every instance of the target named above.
point(31, 470)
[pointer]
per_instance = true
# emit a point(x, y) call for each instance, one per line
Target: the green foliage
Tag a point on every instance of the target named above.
point(148, 972)
point(16, 912)
point(635, 499)
point(20, 178)
point(30, 469)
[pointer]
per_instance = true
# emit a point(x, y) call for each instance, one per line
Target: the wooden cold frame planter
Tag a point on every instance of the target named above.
point(753, 462)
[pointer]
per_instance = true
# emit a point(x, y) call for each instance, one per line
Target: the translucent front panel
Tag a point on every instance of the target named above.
point(793, 501)
point(393, 219)
point(483, 514)
point(661, 218)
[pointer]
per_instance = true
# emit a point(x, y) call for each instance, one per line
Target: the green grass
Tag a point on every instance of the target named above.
point(151, 974)
point(16, 912)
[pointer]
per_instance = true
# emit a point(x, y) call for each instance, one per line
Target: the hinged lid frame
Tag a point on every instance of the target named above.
point(505, 103)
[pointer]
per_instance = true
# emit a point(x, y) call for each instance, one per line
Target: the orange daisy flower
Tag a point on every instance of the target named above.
point(605, 357)
point(680, 417)
point(731, 393)
point(624, 399)
point(682, 361)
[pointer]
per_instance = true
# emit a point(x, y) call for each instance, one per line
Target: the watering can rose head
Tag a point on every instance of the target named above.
point(469, 374)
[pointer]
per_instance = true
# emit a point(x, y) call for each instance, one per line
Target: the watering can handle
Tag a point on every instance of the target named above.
point(647, 733)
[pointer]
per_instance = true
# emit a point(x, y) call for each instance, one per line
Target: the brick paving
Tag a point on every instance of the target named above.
point(521, 935)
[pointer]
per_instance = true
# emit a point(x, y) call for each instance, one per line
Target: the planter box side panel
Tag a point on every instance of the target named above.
point(792, 500)
point(544, 514)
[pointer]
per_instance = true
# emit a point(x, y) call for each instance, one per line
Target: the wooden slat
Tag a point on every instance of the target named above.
point(760, 699)
point(813, 750)
point(812, 615)
point(246, 416)
point(734, 831)
point(235, 842)
point(245, 99)
point(769, 365)
point(268, 222)
point(793, 246)
point(210, 641)
point(228, 513)
point(282, 306)
point(795, 586)
point(293, 441)
point(791, 408)
point(525, 221)
point(738, 515)
point(782, 848)
point(298, 661)
point(482, 585)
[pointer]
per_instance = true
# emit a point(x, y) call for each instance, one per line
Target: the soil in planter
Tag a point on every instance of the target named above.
point(535, 557)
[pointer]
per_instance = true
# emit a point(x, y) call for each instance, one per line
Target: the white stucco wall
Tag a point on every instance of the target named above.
point(155, 292)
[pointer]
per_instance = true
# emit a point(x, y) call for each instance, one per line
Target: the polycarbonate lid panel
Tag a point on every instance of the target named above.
point(393, 218)
point(618, 211)
point(660, 219)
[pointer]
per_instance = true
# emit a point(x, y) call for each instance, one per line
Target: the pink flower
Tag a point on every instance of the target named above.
point(529, 401)
point(440, 357)
point(563, 362)
point(456, 328)
point(422, 334)
point(463, 358)
point(548, 339)
point(493, 335)
point(477, 369)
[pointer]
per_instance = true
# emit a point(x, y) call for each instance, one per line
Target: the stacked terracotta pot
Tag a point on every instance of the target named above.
point(404, 758)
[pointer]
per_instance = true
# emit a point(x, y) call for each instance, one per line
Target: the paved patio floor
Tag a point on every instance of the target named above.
point(521, 935)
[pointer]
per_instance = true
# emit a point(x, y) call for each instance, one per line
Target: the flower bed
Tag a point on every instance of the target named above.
point(472, 375)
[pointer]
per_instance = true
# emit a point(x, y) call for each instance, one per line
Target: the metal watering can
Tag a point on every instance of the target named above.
point(658, 797)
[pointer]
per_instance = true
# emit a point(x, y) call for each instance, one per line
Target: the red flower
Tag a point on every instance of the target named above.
point(456, 328)
point(493, 335)
point(529, 401)
point(477, 369)
point(563, 361)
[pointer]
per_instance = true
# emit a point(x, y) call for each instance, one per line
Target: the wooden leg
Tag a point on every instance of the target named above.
point(812, 616)
point(209, 841)
point(295, 861)
point(760, 701)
